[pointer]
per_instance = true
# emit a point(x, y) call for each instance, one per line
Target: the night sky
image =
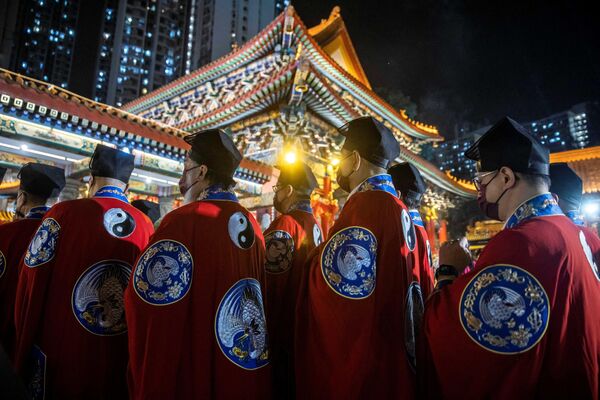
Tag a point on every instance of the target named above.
point(474, 61)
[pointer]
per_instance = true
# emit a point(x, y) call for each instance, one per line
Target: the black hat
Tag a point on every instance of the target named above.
point(215, 149)
point(111, 163)
point(150, 208)
point(508, 144)
point(408, 180)
point(2, 172)
point(565, 183)
point(299, 175)
point(42, 180)
point(372, 140)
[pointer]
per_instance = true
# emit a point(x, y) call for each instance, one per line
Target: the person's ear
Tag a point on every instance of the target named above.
point(288, 191)
point(202, 171)
point(508, 177)
point(355, 161)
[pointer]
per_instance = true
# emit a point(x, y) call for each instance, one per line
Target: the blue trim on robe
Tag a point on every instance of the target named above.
point(112, 192)
point(381, 182)
point(416, 218)
point(576, 217)
point(302, 205)
point(216, 192)
point(543, 205)
point(37, 212)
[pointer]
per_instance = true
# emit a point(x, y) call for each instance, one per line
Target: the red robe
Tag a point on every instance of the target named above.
point(194, 306)
point(14, 238)
point(69, 312)
point(524, 322)
point(423, 268)
point(357, 303)
point(289, 240)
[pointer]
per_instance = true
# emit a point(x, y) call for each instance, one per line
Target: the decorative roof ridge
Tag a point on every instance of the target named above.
point(346, 106)
point(335, 18)
point(266, 83)
point(431, 131)
point(433, 174)
point(45, 88)
point(240, 50)
point(587, 153)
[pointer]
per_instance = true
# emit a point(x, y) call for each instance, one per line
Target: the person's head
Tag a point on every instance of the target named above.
point(296, 183)
point(150, 208)
point(368, 150)
point(211, 160)
point(409, 183)
point(110, 167)
point(567, 186)
point(512, 168)
point(38, 183)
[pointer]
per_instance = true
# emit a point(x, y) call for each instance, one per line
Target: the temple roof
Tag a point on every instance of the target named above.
point(331, 56)
point(331, 34)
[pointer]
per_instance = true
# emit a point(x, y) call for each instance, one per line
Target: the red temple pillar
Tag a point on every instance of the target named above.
point(443, 232)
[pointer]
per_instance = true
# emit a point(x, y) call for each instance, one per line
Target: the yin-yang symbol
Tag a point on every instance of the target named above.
point(409, 231)
point(317, 235)
point(118, 223)
point(240, 231)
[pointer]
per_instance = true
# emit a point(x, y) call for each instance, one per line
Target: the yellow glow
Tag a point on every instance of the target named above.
point(335, 161)
point(290, 157)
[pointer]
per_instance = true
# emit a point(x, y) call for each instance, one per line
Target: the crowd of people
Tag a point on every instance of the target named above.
point(95, 303)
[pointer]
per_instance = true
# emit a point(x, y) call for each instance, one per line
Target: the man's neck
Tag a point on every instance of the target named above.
point(99, 183)
point(520, 197)
point(362, 175)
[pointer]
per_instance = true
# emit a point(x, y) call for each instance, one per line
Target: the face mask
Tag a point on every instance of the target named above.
point(343, 180)
point(491, 210)
point(183, 188)
point(278, 204)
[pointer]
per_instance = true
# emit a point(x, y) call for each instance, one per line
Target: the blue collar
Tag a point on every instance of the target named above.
point(576, 217)
point(543, 205)
point(112, 192)
point(37, 212)
point(216, 192)
point(416, 218)
point(302, 205)
point(381, 182)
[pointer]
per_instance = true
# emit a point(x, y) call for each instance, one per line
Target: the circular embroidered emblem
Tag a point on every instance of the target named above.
point(429, 257)
point(413, 316)
point(241, 231)
point(118, 223)
point(2, 264)
point(348, 262)
point(43, 245)
point(588, 254)
point(240, 325)
point(280, 251)
point(504, 309)
point(163, 274)
point(317, 235)
point(97, 299)
point(408, 228)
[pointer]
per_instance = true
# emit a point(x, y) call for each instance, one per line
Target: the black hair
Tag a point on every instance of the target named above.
point(535, 179)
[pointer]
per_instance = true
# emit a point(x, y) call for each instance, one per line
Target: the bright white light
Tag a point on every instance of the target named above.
point(24, 147)
point(290, 157)
point(591, 209)
point(148, 180)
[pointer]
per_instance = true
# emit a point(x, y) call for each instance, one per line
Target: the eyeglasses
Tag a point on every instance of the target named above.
point(479, 176)
point(278, 187)
point(341, 161)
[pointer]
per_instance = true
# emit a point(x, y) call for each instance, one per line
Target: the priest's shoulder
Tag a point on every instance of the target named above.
point(284, 221)
point(377, 198)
